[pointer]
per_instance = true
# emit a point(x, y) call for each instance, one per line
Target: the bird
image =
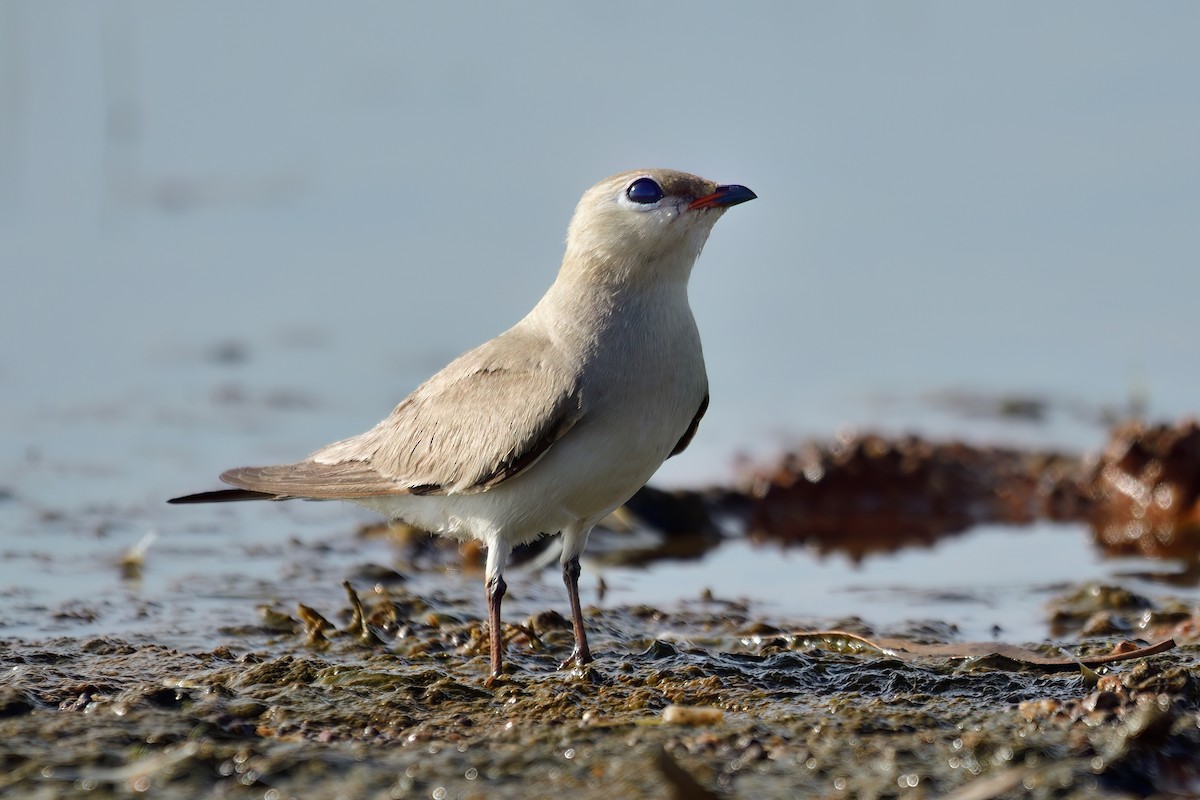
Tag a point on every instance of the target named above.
point(555, 423)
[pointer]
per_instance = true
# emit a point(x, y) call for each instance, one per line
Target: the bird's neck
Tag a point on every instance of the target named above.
point(578, 308)
point(650, 270)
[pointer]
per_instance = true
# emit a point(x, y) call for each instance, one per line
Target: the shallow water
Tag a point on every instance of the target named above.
point(90, 478)
point(202, 571)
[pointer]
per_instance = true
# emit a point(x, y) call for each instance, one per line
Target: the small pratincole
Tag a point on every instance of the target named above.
point(557, 421)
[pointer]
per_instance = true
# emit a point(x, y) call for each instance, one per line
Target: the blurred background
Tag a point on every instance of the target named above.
point(230, 235)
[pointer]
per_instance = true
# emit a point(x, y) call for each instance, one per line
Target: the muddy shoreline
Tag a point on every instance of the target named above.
point(402, 711)
point(379, 691)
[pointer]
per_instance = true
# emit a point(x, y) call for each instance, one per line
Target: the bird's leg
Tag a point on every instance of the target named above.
point(495, 593)
point(581, 654)
point(497, 557)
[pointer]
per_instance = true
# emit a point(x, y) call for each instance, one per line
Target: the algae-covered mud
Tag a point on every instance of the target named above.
point(389, 701)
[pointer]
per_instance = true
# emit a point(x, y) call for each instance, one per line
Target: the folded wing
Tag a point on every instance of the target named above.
point(488, 416)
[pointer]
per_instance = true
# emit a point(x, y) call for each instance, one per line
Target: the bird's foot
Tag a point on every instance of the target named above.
point(580, 657)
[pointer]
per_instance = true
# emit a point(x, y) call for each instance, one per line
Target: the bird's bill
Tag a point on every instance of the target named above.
point(723, 197)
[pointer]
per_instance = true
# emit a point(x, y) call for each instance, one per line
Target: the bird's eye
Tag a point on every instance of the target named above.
point(644, 191)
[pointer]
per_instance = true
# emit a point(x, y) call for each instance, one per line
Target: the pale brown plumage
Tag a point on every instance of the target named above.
point(443, 437)
point(550, 426)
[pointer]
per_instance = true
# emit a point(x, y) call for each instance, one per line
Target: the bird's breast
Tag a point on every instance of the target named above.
point(644, 382)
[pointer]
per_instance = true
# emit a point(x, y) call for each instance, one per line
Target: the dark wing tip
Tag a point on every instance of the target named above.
point(221, 496)
point(690, 433)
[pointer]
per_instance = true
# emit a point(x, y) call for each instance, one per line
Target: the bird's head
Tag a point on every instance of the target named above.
point(646, 224)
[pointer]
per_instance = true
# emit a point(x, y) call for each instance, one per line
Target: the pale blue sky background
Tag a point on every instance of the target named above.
point(996, 197)
point(993, 196)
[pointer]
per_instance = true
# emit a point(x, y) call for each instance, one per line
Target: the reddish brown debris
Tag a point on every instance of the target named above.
point(869, 494)
point(1145, 491)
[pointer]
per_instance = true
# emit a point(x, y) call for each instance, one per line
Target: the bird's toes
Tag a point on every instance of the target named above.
point(578, 658)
